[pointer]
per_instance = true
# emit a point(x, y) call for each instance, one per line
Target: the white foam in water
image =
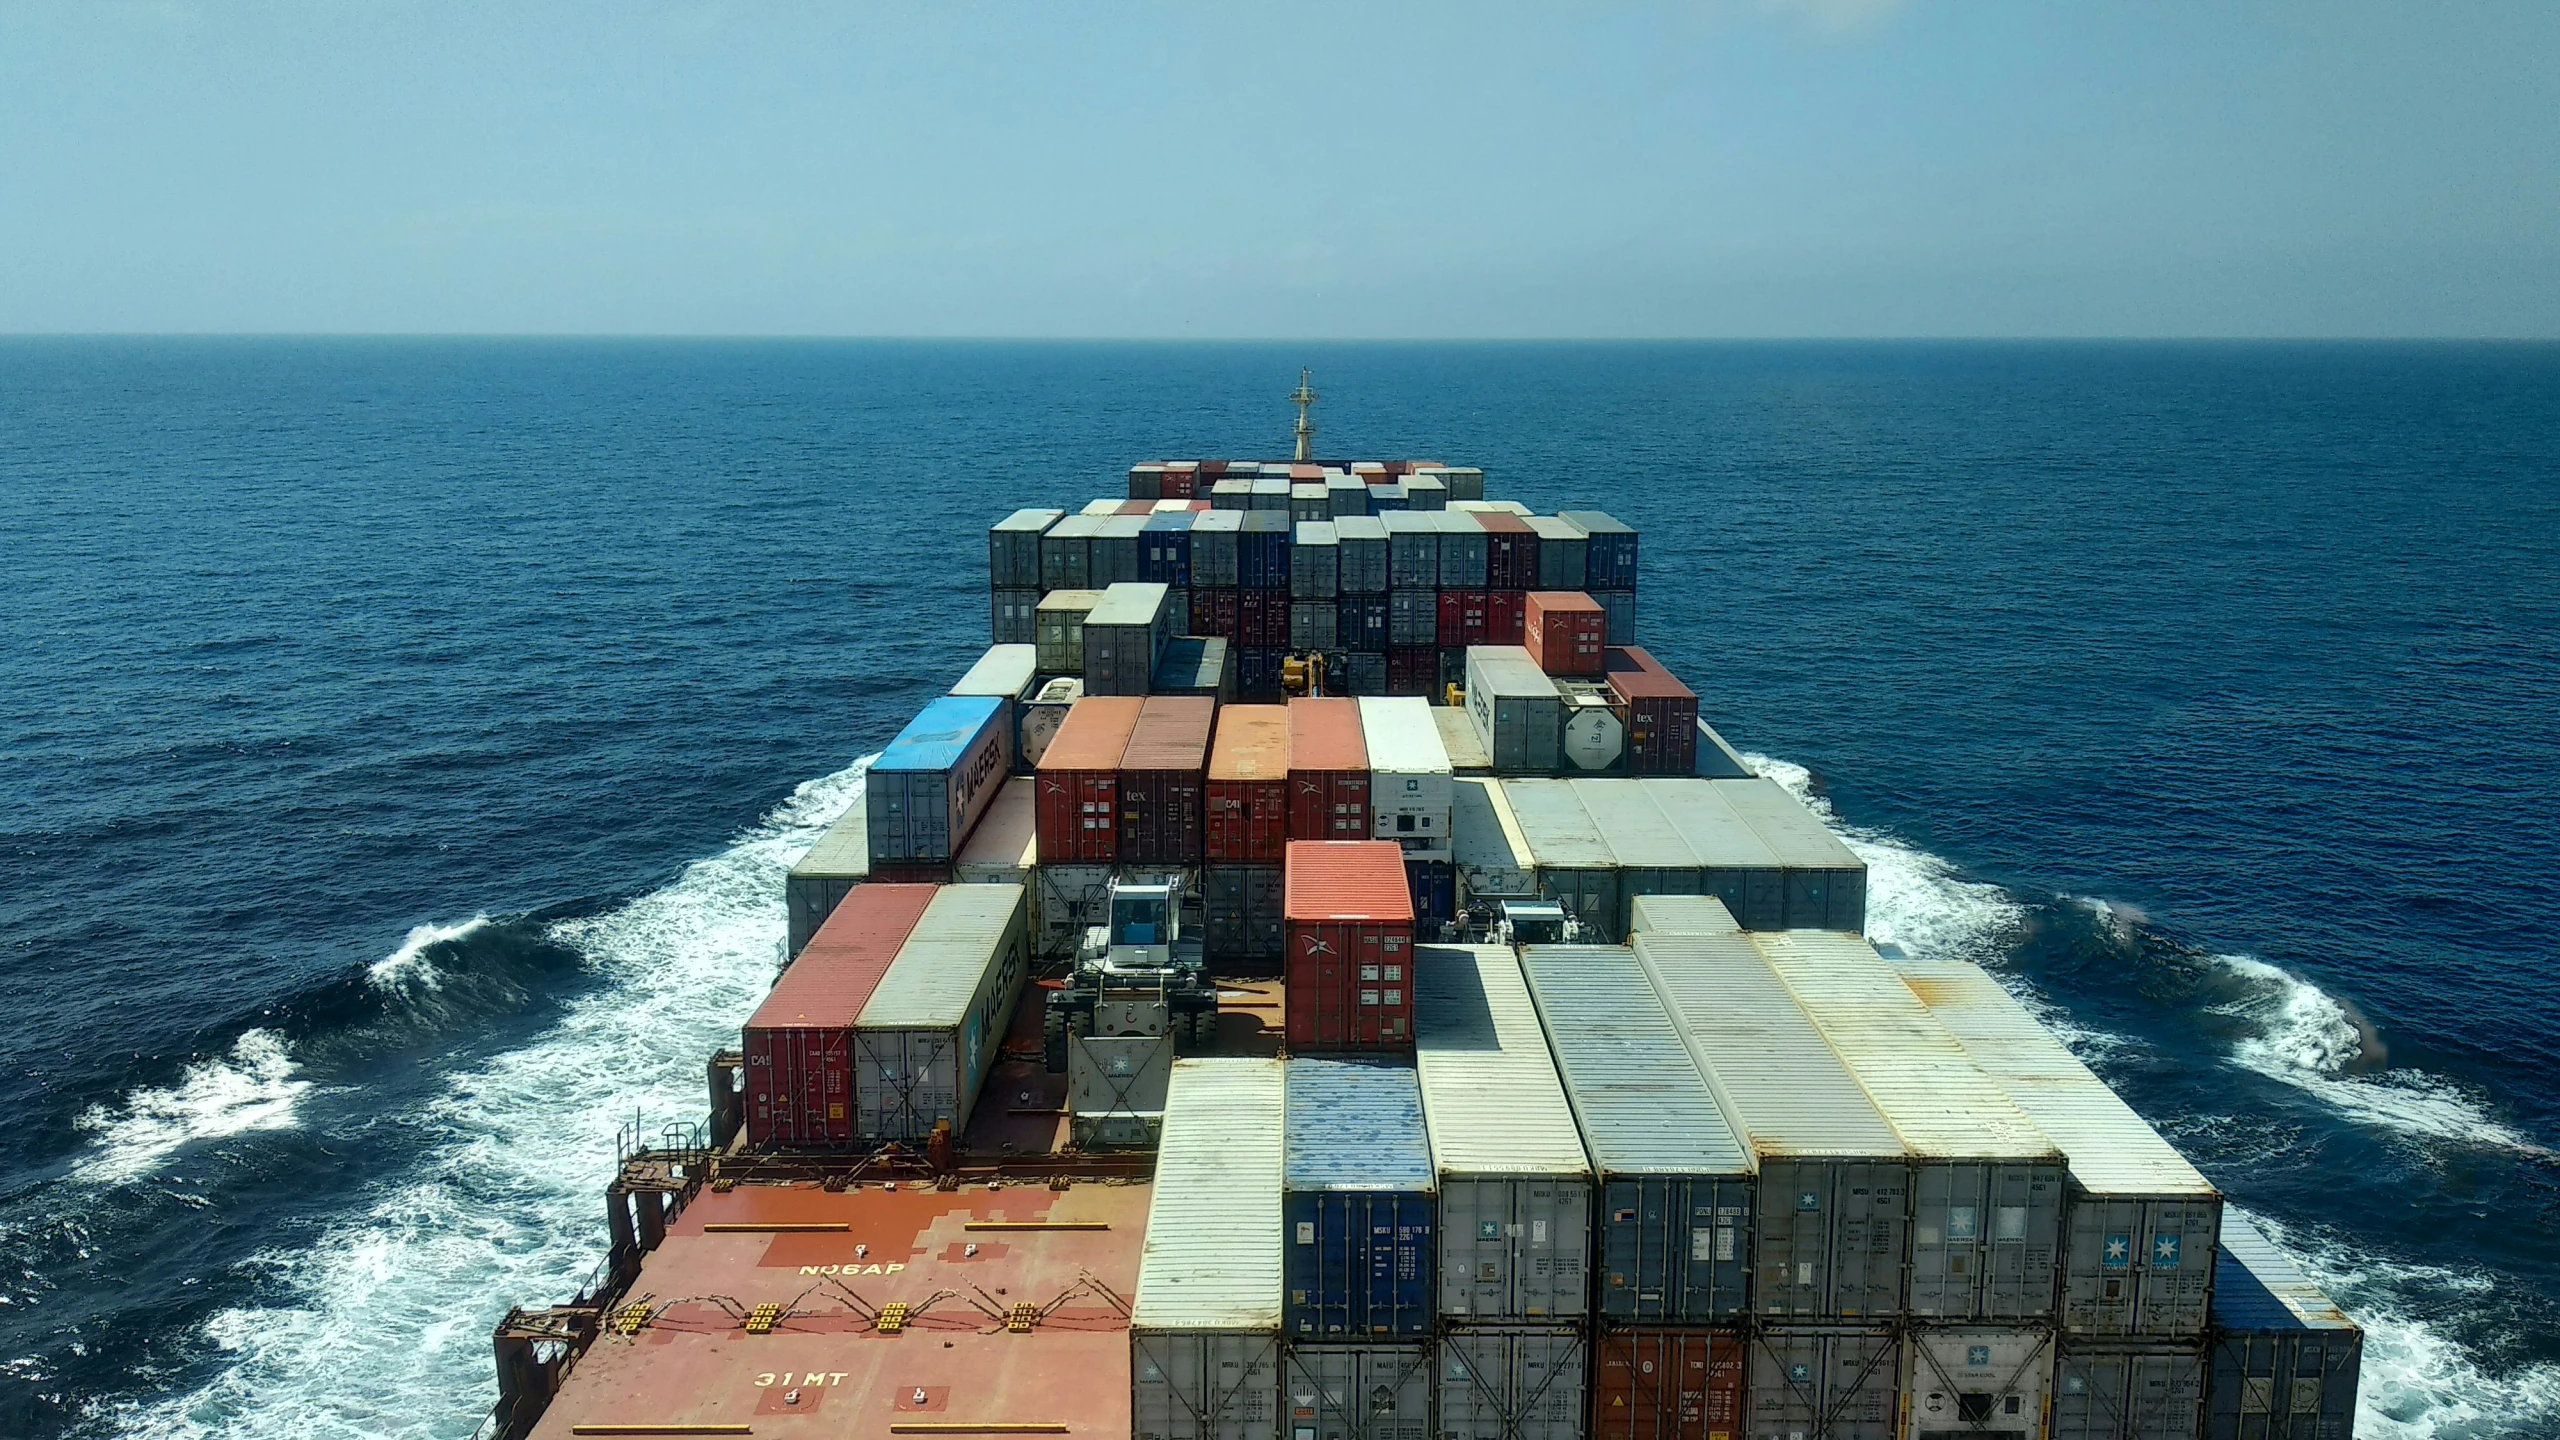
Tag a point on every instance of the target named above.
point(409, 964)
point(384, 1325)
point(1914, 899)
point(253, 1087)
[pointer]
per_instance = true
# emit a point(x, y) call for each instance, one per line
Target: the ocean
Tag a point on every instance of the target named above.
point(406, 739)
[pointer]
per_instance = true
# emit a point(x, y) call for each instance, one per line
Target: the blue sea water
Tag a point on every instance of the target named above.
point(405, 739)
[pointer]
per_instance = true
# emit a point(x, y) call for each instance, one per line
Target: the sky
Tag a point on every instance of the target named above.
point(1717, 168)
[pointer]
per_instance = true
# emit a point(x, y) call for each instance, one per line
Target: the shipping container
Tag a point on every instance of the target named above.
point(1506, 617)
point(1042, 714)
point(1071, 900)
point(1258, 673)
point(1005, 672)
point(935, 779)
point(1511, 550)
point(1562, 631)
point(1232, 494)
point(1463, 617)
point(1140, 508)
point(1345, 495)
point(1079, 780)
point(1248, 787)
point(798, 1046)
point(1650, 1384)
point(1204, 1328)
point(1735, 865)
point(1424, 491)
point(1575, 866)
point(2115, 1390)
point(1203, 666)
point(1328, 771)
point(928, 1035)
point(1114, 550)
point(2140, 1224)
point(1162, 774)
point(1059, 632)
point(1825, 883)
point(1433, 882)
point(1005, 848)
point(1515, 1186)
point(1465, 482)
point(820, 879)
point(1359, 1201)
point(1013, 616)
point(1271, 494)
point(1361, 555)
point(1674, 1210)
point(1835, 1180)
point(1013, 548)
point(1348, 934)
point(1651, 857)
point(1314, 561)
point(1066, 561)
point(1413, 550)
point(1976, 1380)
point(1837, 1382)
point(1362, 624)
point(1311, 625)
point(1610, 556)
point(1124, 637)
point(1164, 548)
point(1307, 502)
point(1262, 621)
point(1213, 549)
point(1262, 550)
point(1511, 1383)
point(1618, 613)
point(1213, 612)
point(1987, 1185)
point(1409, 773)
point(1415, 670)
point(1241, 916)
point(1660, 713)
point(1386, 498)
point(1413, 617)
point(2285, 1359)
point(1459, 740)
point(1462, 551)
point(1517, 710)
point(1146, 482)
point(1563, 554)
point(1488, 851)
point(1369, 1390)
point(1680, 915)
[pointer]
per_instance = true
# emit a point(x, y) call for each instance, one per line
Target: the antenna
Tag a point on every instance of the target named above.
point(1302, 397)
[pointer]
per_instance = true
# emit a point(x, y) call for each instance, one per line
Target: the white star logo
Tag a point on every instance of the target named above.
point(2118, 1247)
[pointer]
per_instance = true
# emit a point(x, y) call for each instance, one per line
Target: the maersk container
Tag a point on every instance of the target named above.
point(1360, 1202)
point(933, 782)
point(2285, 1358)
point(928, 1035)
point(1241, 913)
point(1005, 848)
point(1013, 548)
point(1213, 549)
point(1610, 556)
point(1826, 881)
point(1674, 1210)
point(1618, 613)
point(1124, 637)
point(1413, 617)
point(1262, 550)
point(1115, 550)
point(1837, 1382)
point(1369, 1390)
point(1575, 866)
point(1515, 1186)
point(2140, 1223)
point(1968, 1380)
point(1196, 665)
point(1042, 714)
point(1511, 1383)
point(1162, 774)
point(1490, 854)
point(1652, 858)
point(1409, 772)
point(1058, 631)
point(1066, 560)
point(1735, 865)
point(1013, 616)
point(1563, 553)
point(1204, 1326)
point(798, 1046)
point(1164, 548)
point(1516, 708)
point(1005, 672)
point(1328, 771)
point(822, 878)
point(2115, 1390)
point(1413, 550)
point(1314, 561)
point(1987, 1191)
point(1311, 624)
point(1835, 1180)
point(1079, 781)
point(1361, 555)
point(1664, 1384)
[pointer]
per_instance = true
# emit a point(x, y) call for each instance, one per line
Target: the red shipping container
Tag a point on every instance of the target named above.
point(1138, 507)
point(1510, 553)
point(1462, 619)
point(799, 1043)
point(1566, 632)
point(1161, 776)
point(1248, 799)
point(1262, 619)
point(1178, 485)
point(1506, 614)
point(1213, 612)
point(1347, 923)
point(1305, 474)
point(1667, 1385)
point(1213, 469)
point(1660, 713)
point(1413, 670)
point(1328, 771)
point(1078, 783)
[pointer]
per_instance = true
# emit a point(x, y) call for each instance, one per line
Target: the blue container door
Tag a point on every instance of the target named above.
point(1435, 889)
point(1359, 1264)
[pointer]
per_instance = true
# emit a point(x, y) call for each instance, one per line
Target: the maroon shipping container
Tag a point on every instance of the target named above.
point(799, 1043)
point(1078, 782)
point(1347, 925)
point(1248, 799)
point(1161, 776)
point(1413, 670)
point(1666, 1385)
point(1137, 507)
point(1566, 632)
point(910, 872)
point(1213, 612)
point(1462, 619)
point(1262, 619)
point(1660, 713)
point(1178, 484)
point(1328, 771)
point(1506, 614)
point(1510, 553)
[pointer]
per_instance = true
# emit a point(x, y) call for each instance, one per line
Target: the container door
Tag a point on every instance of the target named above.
point(2175, 1266)
point(1478, 1282)
point(1792, 1248)
point(1948, 1221)
point(2023, 1243)
point(2101, 1238)
point(1357, 1392)
point(1870, 1240)
point(1551, 1278)
point(1715, 1271)
point(1969, 1383)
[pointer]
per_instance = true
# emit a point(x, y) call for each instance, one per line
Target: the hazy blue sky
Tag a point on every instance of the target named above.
point(1723, 167)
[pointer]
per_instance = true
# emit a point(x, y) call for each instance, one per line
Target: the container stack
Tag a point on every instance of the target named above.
point(2286, 1359)
point(1014, 584)
point(925, 1040)
point(1204, 1328)
point(1077, 799)
point(798, 1045)
point(1247, 825)
point(1328, 771)
point(929, 786)
point(1347, 929)
point(1411, 794)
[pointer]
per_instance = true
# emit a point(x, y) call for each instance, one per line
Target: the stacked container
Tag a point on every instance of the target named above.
point(1247, 821)
point(1516, 709)
point(1079, 782)
point(1660, 714)
point(1043, 711)
point(1487, 850)
point(1195, 665)
point(1826, 883)
point(1562, 631)
point(931, 784)
point(1058, 629)
point(1359, 1199)
point(820, 880)
point(1124, 636)
point(1005, 848)
point(1609, 569)
point(1066, 554)
point(798, 1045)
point(2285, 1358)
point(1328, 771)
point(1163, 771)
point(1572, 861)
point(927, 1036)
point(1006, 672)
point(1348, 933)
point(1204, 1328)
point(1410, 795)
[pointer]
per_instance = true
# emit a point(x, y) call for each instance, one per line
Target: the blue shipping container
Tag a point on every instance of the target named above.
point(925, 793)
point(1360, 622)
point(1610, 562)
point(1435, 889)
point(1262, 550)
point(1258, 675)
point(1357, 1194)
point(1164, 549)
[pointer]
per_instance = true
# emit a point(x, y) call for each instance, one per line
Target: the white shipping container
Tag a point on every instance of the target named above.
point(1364, 1390)
point(1492, 856)
point(1005, 848)
point(1976, 1380)
point(1409, 772)
point(1652, 858)
point(1512, 1384)
point(1004, 673)
point(1042, 714)
point(1575, 866)
point(1459, 739)
point(927, 1037)
point(1204, 1332)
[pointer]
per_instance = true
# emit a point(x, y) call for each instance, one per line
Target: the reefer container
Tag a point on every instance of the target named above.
point(2285, 1358)
point(1660, 713)
point(1124, 636)
point(1409, 774)
point(1059, 629)
point(1204, 1326)
point(1164, 548)
point(1202, 666)
point(1262, 550)
point(1066, 555)
point(1511, 1383)
point(1610, 557)
point(1314, 560)
point(1491, 856)
point(1328, 771)
point(1458, 738)
point(1248, 792)
point(1079, 781)
point(1835, 1180)
point(1826, 882)
point(799, 1043)
point(1969, 1380)
point(1115, 550)
point(928, 1035)
point(1735, 865)
point(1575, 866)
point(2118, 1390)
point(1652, 858)
point(1005, 672)
point(1213, 549)
point(1515, 1187)
point(1361, 555)
point(1368, 1390)
point(1348, 931)
point(1013, 616)
point(1837, 1382)
point(1359, 1200)
point(1563, 554)
point(1042, 713)
point(1674, 1214)
point(1510, 550)
point(1517, 710)
point(1413, 550)
point(1241, 913)
point(1013, 548)
point(1462, 550)
point(2140, 1224)
point(1986, 1212)
point(1667, 1385)
point(1005, 848)
point(820, 879)
point(933, 782)
point(1070, 899)
point(1162, 773)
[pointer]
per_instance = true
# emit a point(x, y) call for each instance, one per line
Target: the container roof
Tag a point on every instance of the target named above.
point(1638, 1096)
point(945, 961)
point(1490, 1096)
point(1324, 734)
point(1560, 832)
point(1009, 833)
point(1401, 737)
point(1354, 1125)
point(1459, 740)
point(1005, 671)
point(1508, 670)
point(2259, 1288)
point(1786, 825)
point(940, 735)
point(1636, 831)
point(1213, 1239)
point(1708, 826)
point(1252, 744)
point(843, 851)
point(1346, 880)
point(1094, 735)
point(1172, 733)
point(1130, 602)
point(836, 972)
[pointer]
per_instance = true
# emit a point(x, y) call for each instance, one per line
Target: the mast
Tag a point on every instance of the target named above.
point(1302, 397)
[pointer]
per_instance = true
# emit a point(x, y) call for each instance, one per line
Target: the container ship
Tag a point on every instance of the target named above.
point(1317, 977)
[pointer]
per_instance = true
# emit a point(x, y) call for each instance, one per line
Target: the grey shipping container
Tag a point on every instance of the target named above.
point(1241, 912)
point(1516, 708)
point(1413, 550)
point(1574, 865)
point(1232, 494)
point(1563, 551)
point(1042, 714)
point(1361, 558)
point(1458, 736)
point(1345, 495)
point(1118, 1077)
point(1013, 548)
point(1013, 616)
point(1072, 899)
point(1307, 502)
point(840, 860)
point(1116, 543)
point(1826, 881)
point(1835, 1180)
point(1413, 617)
point(1124, 637)
point(1977, 1380)
point(1512, 1384)
point(1618, 615)
point(1364, 1390)
point(1060, 631)
point(1213, 550)
point(1364, 672)
point(1735, 865)
point(1066, 557)
point(1311, 624)
point(1004, 673)
point(928, 1035)
point(1204, 1332)
point(1462, 551)
point(1674, 1212)
point(1196, 665)
point(1610, 554)
point(1838, 1383)
point(1271, 493)
point(1652, 858)
point(1314, 561)
point(1424, 491)
point(2118, 1391)
point(1465, 482)
point(1146, 482)
point(2285, 1359)
point(1515, 1186)
point(1492, 856)
point(928, 788)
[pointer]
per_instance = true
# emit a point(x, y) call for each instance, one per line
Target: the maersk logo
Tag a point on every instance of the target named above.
point(2164, 1252)
point(2118, 1252)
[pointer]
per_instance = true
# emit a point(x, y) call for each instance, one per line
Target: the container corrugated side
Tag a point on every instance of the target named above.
point(1459, 740)
point(1652, 858)
point(1328, 771)
point(1204, 1329)
point(1515, 1185)
point(1058, 629)
point(1360, 1200)
point(1734, 864)
point(1667, 1384)
point(1493, 857)
point(1826, 883)
point(1840, 1383)
point(1125, 636)
point(1576, 868)
point(929, 1033)
point(1079, 780)
point(819, 880)
point(1163, 773)
point(928, 788)
point(1348, 922)
point(1248, 790)
point(1516, 709)
point(2285, 1360)
point(2119, 1391)
point(1013, 548)
point(1375, 1389)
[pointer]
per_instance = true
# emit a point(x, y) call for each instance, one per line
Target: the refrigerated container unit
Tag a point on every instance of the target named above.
point(798, 1045)
point(1838, 1382)
point(1659, 712)
point(1489, 854)
point(1413, 550)
point(934, 780)
point(1079, 781)
point(1307, 501)
point(1068, 901)
point(1654, 1383)
point(1562, 630)
point(1360, 543)
point(1328, 771)
point(1042, 713)
point(1564, 553)
point(1360, 1203)
point(929, 1034)
point(1517, 710)
point(1609, 561)
point(1204, 1325)
point(1968, 1380)
point(1066, 555)
point(2129, 1390)
point(1164, 548)
point(1409, 773)
point(1362, 1390)
point(1196, 665)
point(1005, 672)
point(1314, 561)
point(1833, 1237)
point(1462, 550)
point(819, 880)
point(2285, 1360)
point(1005, 848)
point(1515, 1186)
point(1986, 1183)
point(2140, 1224)
point(1575, 866)
point(1511, 549)
point(1213, 549)
point(1510, 1382)
point(1311, 625)
point(1059, 630)
point(1673, 1215)
point(1124, 637)
point(1262, 550)
point(1347, 930)
point(1013, 548)
point(1013, 616)
point(1241, 914)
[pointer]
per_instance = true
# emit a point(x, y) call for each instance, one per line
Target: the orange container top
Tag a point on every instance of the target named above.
point(1095, 733)
point(1253, 744)
point(1325, 735)
point(1346, 880)
point(1172, 733)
